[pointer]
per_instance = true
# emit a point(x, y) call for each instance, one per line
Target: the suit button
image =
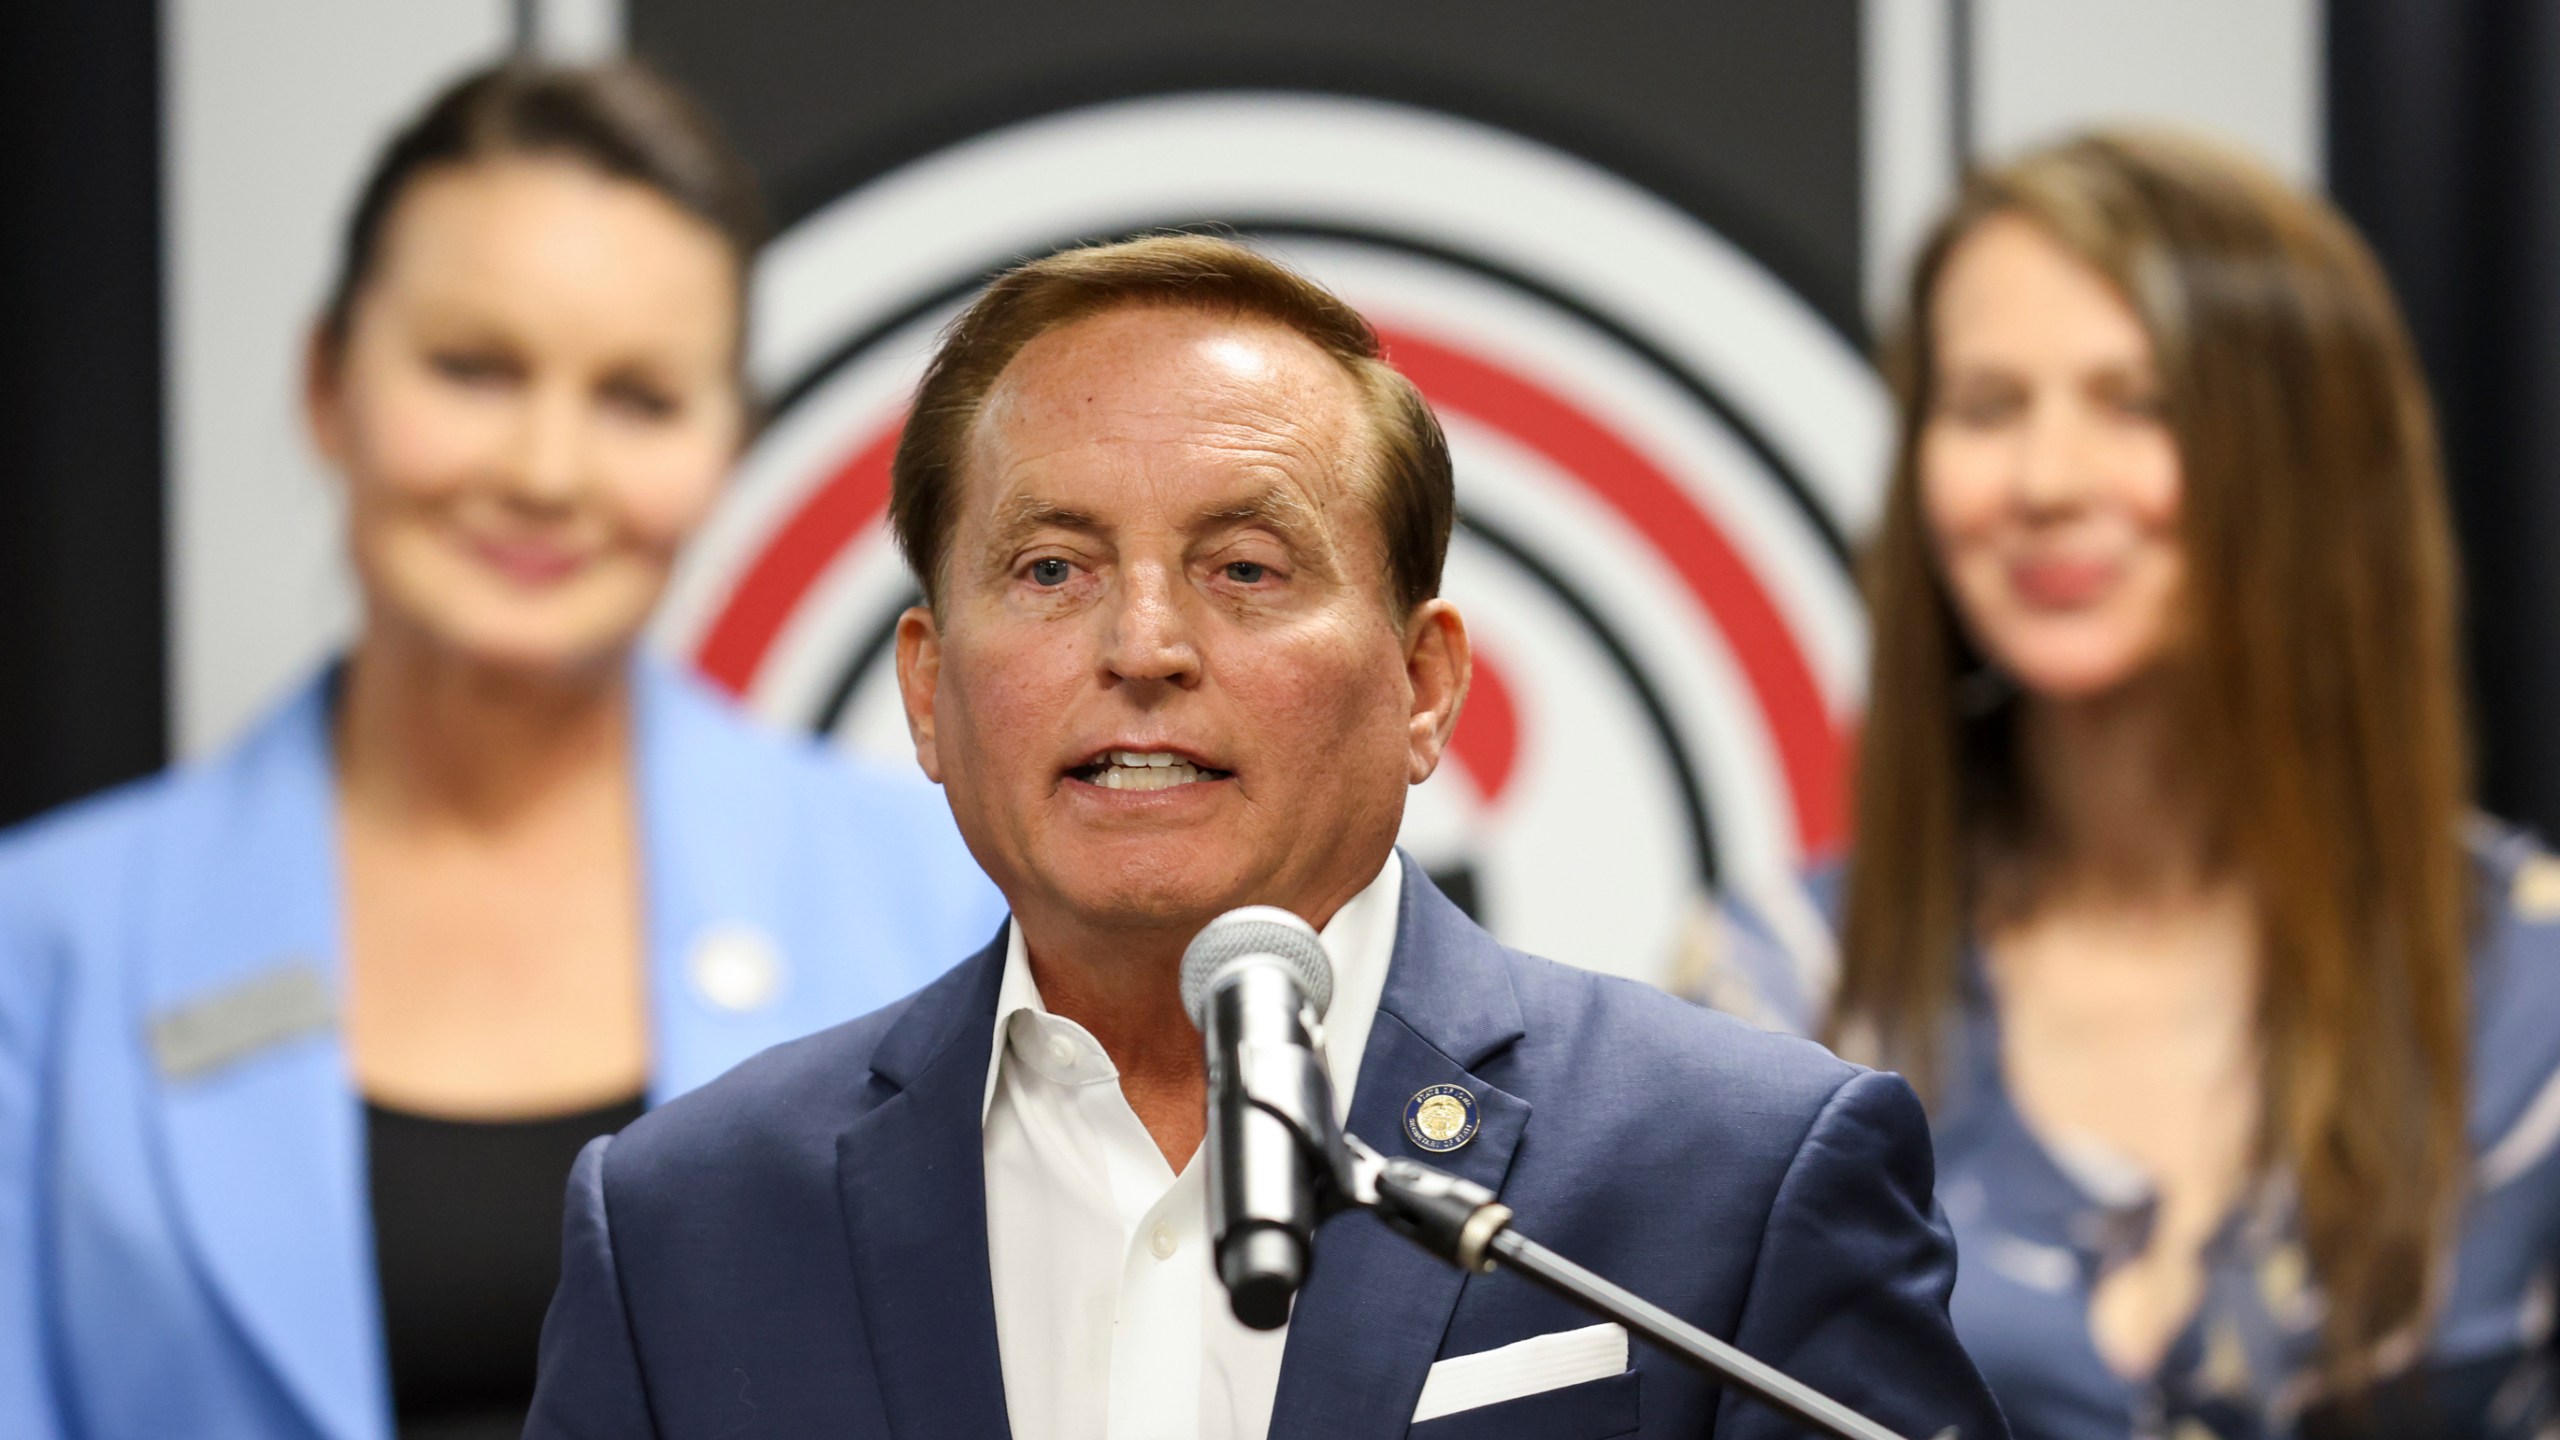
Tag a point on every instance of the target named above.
point(1162, 1244)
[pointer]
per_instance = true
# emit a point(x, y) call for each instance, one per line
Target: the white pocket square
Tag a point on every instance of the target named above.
point(1527, 1367)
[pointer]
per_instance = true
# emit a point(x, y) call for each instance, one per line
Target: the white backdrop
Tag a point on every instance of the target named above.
point(273, 106)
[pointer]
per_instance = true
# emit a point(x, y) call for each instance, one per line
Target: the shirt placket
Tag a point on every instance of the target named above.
point(1155, 1323)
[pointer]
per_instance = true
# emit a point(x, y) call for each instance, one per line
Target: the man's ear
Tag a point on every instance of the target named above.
point(324, 402)
point(1437, 665)
point(919, 676)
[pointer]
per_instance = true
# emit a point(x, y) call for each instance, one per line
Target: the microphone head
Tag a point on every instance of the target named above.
point(1256, 930)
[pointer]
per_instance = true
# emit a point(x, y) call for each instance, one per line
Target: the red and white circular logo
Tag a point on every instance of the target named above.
point(1658, 448)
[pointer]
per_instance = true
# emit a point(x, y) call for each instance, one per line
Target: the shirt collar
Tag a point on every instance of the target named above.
point(1360, 941)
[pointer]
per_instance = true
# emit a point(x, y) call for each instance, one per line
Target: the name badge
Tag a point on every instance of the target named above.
point(214, 1031)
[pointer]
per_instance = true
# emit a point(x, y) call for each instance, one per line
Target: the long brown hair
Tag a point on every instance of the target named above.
point(2322, 695)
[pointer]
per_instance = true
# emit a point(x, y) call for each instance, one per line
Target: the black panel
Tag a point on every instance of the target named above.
point(2444, 145)
point(1748, 115)
point(82, 635)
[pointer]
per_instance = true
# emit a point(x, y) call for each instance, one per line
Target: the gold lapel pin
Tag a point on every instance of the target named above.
point(1441, 1118)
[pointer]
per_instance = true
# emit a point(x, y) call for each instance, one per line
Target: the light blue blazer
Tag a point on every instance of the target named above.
point(186, 1247)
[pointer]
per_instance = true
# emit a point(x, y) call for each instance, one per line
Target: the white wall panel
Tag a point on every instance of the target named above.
point(1910, 71)
point(2247, 70)
point(273, 108)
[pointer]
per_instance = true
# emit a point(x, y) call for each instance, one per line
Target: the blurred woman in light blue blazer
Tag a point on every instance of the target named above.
point(296, 1044)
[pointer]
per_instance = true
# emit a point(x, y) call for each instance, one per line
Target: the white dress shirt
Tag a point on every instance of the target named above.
point(1110, 1321)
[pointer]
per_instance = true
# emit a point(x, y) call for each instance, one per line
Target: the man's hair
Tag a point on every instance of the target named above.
point(1405, 477)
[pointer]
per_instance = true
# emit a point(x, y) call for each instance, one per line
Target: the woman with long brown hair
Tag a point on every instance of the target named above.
point(2241, 1036)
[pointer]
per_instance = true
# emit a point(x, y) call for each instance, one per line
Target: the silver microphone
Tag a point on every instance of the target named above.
point(1257, 983)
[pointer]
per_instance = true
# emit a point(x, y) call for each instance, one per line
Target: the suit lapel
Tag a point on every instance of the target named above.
point(912, 1173)
point(1370, 1321)
point(264, 1133)
point(720, 981)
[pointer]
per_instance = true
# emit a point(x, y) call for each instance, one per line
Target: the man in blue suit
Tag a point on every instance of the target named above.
point(1180, 530)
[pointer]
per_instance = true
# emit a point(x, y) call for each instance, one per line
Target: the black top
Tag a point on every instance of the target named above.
point(466, 1238)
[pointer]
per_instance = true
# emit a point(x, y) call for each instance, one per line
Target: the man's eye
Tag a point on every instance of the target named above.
point(1050, 571)
point(1246, 572)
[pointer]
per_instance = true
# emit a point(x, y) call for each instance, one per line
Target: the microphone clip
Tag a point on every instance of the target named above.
point(1452, 1218)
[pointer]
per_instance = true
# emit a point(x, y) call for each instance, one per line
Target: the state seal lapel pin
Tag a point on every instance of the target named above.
point(1440, 1118)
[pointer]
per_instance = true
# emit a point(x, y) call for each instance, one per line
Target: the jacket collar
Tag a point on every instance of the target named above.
point(911, 1170)
point(912, 1173)
point(714, 812)
point(267, 1151)
point(266, 1147)
point(1370, 1320)
point(1449, 984)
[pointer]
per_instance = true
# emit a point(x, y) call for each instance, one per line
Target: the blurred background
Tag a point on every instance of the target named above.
point(1636, 253)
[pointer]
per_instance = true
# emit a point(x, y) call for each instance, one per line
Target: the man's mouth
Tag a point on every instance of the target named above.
point(1143, 770)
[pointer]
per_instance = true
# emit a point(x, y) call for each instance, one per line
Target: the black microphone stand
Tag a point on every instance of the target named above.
point(1462, 1223)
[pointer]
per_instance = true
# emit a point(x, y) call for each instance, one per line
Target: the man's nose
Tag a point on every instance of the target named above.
point(1151, 637)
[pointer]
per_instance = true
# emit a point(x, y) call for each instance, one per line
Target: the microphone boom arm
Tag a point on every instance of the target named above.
point(1462, 1223)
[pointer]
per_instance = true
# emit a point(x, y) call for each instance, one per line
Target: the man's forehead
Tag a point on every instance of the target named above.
point(1169, 360)
point(1193, 412)
point(1030, 502)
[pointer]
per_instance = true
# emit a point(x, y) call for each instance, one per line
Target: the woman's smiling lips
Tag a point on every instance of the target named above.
point(529, 562)
point(2059, 584)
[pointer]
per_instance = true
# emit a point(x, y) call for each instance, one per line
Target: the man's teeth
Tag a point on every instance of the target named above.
point(1145, 770)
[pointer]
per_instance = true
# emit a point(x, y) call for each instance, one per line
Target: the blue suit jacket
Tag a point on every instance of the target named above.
point(801, 1248)
point(192, 1254)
